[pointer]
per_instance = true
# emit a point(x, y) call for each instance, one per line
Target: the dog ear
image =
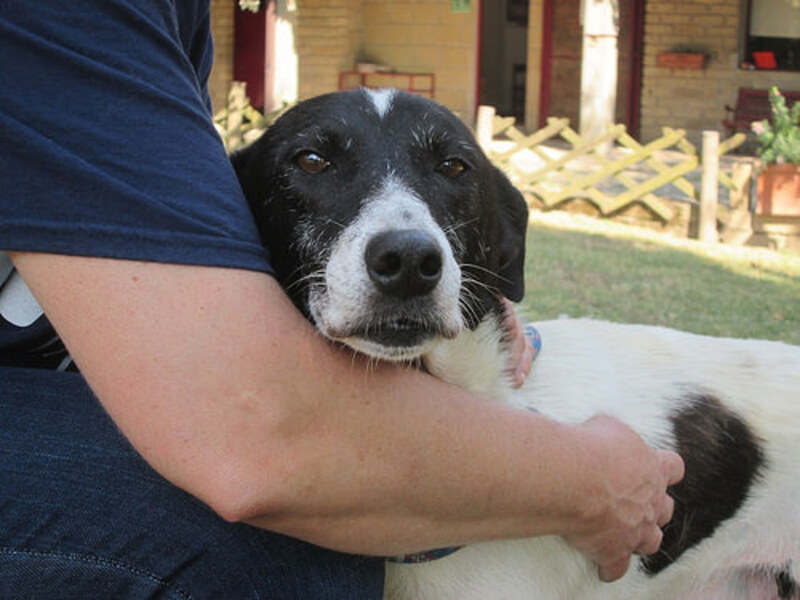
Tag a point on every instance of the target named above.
point(512, 213)
point(240, 159)
point(250, 169)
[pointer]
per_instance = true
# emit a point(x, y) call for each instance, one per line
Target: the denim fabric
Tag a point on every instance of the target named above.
point(82, 516)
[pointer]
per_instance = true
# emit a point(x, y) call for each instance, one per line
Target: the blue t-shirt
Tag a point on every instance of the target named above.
point(108, 147)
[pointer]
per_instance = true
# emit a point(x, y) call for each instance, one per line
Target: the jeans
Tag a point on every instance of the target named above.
point(82, 516)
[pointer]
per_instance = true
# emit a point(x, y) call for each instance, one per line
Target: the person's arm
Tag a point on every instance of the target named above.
point(229, 393)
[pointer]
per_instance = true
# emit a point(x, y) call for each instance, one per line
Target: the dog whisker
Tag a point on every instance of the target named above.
point(453, 227)
point(307, 280)
point(494, 275)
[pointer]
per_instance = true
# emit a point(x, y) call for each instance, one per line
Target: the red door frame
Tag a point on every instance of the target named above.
point(546, 66)
point(637, 59)
point(249, 47)
point(478, 50)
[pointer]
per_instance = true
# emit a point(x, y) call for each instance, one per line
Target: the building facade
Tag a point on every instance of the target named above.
point(523, 56)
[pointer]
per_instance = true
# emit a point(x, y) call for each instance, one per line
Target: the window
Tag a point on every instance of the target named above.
point(773, 35)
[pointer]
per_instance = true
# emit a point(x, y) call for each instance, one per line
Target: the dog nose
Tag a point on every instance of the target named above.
point(404, 263)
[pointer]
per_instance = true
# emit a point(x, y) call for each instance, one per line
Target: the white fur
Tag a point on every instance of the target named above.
point(342, 305)
point(381, 100)
point(640, 375)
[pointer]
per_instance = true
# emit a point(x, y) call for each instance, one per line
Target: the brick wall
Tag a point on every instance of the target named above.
point(333, 35)
point(565, 80)
point(426, 36)
point(328, 38)
point(411, 35)
point(694, 99)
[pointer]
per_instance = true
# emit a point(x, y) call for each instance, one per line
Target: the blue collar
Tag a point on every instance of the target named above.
point(423, 557)
point(535, 339)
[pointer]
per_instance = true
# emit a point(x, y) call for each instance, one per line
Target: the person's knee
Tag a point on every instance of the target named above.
point(284, 568)
point(82, 513)
point(41, 574)
point(164, 554)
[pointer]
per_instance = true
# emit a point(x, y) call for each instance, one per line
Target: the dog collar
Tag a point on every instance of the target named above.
point(423, 557)
point(535, 339)
point(430, 555)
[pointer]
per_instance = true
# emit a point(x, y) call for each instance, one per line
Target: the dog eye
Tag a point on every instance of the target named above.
point(311, 162)
point(452, 168)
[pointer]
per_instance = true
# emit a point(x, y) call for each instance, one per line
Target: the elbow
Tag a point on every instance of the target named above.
point(233, 504)
point(241, 492)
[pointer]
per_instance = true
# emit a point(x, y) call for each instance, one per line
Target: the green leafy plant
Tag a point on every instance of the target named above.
point(779, 137)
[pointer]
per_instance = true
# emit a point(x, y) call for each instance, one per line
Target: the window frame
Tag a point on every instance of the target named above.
point(779, 46)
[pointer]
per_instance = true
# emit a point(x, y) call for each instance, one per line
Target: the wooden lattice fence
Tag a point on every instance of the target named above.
point(554, 166)
point(239, 123)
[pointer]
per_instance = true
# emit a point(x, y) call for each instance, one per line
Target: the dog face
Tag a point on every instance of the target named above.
point(386, 223)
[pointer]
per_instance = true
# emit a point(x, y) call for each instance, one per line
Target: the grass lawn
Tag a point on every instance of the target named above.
point(583, 267)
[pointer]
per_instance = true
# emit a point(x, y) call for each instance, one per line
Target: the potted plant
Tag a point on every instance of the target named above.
point(779, 149)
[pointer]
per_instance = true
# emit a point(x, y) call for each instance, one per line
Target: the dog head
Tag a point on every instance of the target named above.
point(386, 223)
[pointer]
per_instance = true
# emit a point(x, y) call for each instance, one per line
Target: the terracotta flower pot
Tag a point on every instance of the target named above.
point(779, 191)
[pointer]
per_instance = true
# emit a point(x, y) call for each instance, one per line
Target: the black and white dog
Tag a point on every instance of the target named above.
point(394, 234)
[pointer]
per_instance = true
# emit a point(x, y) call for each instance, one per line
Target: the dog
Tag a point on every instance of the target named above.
point(394, 235)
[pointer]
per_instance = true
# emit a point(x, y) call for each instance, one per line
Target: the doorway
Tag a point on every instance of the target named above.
point(503, 50)
point(562, 55)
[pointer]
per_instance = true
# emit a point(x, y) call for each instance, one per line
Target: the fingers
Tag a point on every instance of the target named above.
point(668, 469)
point(672, 469)
point(524, 363)
point(651, 541)
point(521, 350)
point(613, 571)
point(671, 466)
point(667, 508)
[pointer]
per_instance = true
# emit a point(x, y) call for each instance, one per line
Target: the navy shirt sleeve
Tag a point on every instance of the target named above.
point(108, 145)
point(109, 149)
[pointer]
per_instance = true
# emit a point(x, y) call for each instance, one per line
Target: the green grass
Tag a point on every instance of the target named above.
point(583, 267)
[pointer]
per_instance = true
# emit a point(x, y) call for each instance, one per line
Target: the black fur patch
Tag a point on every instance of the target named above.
point(787, 586)
point(723, 458)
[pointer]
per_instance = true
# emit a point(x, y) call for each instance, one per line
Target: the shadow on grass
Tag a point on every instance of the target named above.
point(633, 280)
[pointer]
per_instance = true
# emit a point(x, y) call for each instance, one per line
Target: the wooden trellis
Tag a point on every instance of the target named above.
point(239, 123)
point(558, 165)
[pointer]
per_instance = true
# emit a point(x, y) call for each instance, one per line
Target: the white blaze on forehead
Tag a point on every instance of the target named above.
point(381, 100)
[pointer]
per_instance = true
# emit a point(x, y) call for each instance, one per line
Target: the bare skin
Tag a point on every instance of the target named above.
point(521, 349)
point(229, 393)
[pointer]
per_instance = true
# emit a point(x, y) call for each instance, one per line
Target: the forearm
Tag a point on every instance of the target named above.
point(230, 394)
point(437, 468)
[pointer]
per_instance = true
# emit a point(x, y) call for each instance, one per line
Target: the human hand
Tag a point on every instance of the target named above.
point(631, 505)
point(521, 348)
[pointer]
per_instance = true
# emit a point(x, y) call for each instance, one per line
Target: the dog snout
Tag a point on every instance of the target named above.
point(404, 263)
